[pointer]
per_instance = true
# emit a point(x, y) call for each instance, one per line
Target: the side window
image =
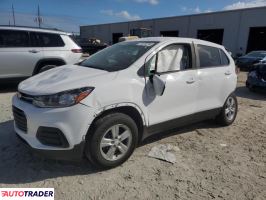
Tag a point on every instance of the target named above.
point(173, 58)
point(35, 39)
point(50, 40)
point(224, 59)
point(9, 38)
point(151, 65)
point(209, 56)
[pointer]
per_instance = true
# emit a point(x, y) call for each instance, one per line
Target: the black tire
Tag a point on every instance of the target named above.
point(94, 151)
point(249, 86)
point(223, 118)
point(45, 68)
point(251, 89)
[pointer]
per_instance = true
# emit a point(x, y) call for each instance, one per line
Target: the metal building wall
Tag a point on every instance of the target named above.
point(236, 24)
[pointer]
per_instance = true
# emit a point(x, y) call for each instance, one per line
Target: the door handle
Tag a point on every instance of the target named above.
point(33, 51)
point(227, 73)
point(190, 81)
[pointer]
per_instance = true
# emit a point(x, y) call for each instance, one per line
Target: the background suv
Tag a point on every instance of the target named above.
point(108, 103)
point(28, 51)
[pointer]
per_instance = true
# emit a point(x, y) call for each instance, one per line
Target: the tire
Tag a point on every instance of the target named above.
point(229, 111)
point(102, 149)
point(45, 68)
point(250, 87)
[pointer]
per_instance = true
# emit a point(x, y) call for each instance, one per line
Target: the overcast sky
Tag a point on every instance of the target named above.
point(69, 14)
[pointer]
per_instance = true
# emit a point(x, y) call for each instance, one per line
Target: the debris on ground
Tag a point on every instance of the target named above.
point(164, 152)
point(223, 145)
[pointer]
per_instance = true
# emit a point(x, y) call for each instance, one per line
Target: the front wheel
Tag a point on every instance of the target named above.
point(113, 140)
point(229, 111)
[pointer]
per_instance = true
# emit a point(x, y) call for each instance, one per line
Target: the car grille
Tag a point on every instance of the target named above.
point(20, 119)
point(25, 97)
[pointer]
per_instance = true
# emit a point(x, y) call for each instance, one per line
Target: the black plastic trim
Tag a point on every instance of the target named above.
point(52, 137)
point(74, 154)
point(20, 119)
point(180, 122)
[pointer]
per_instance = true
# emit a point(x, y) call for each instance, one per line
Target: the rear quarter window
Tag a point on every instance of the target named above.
point(51, 40)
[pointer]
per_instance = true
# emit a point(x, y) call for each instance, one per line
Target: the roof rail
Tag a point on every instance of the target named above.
point(51, 29)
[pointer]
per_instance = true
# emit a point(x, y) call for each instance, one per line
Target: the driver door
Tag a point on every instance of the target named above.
point(174, 65)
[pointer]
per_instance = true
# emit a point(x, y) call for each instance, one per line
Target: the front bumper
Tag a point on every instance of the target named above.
point(74, 154)
point(73, 122)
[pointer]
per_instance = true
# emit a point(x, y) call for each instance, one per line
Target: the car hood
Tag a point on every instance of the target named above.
point(63, 78)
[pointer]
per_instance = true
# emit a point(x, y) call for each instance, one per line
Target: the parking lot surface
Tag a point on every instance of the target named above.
point(213, 162)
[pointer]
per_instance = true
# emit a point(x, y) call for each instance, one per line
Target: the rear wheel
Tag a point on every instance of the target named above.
point(113, 140)
point(229, 111)
point(47, 65)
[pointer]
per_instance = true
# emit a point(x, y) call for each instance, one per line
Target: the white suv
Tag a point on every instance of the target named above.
point(28, 51)
point(103, 107)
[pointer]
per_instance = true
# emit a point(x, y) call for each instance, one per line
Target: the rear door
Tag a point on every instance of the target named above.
point(53, 45)
point(174, 65)
point(214, 74)
point(17, 57)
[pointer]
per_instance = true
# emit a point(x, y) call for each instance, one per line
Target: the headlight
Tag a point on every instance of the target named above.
point(252, 74)
point(62, 99)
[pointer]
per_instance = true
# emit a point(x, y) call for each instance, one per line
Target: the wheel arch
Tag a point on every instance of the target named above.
point(41, 62)
point(129, 109)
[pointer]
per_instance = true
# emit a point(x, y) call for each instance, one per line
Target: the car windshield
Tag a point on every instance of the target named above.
point(119, 56)
point(257, 54)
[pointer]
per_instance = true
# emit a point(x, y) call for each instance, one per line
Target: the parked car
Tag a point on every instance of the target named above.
point(128, 38)
point(103, 107)
point(28, 51)
point(246, 62)
point(92, 45)
point(257, 78)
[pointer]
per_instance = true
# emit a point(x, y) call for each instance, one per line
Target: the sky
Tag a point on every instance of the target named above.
point(68, 15)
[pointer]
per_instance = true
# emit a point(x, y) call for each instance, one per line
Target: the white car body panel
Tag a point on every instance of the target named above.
point(18, 62)
point(171, 104)
point(223, 81)
point(65, 119)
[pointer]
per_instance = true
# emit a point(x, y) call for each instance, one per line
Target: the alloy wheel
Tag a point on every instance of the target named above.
point(116, 142)
point(230, 108)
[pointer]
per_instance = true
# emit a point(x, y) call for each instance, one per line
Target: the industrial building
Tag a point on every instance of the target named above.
point(240, 31)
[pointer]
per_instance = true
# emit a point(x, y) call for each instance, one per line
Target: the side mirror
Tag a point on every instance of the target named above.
point(158, 84)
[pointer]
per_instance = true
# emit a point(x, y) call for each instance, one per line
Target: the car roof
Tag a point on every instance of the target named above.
point(179, 40)
point(34, 29)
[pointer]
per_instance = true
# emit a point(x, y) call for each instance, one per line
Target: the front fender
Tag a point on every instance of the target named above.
point(122, 104)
